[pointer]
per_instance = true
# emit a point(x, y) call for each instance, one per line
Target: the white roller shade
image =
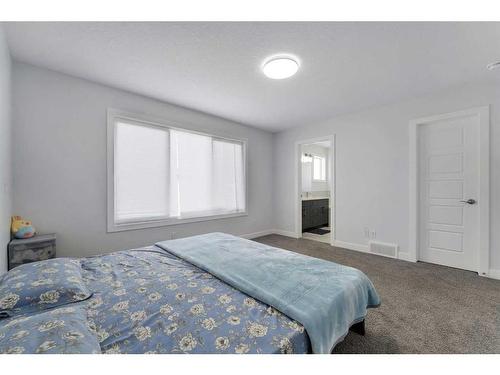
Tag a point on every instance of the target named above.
point(166, 175)
point(141, 172)
point(207, 175)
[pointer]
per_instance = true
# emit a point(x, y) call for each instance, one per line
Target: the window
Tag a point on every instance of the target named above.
point(319, 168)
point(160, 175)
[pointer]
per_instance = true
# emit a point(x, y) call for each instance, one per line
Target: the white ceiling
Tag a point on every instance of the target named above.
point(215, 67)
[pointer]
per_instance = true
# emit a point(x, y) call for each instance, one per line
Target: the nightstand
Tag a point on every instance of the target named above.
point(39, 247)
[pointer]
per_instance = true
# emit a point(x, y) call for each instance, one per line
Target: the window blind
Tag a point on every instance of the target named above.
point(141, 166)
point(165, 173)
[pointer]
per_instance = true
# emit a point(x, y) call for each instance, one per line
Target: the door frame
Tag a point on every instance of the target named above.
point(298, 184)
point(483, 113)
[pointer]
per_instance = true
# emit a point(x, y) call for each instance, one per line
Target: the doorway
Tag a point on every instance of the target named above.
point(315, 193)
point(449, 165)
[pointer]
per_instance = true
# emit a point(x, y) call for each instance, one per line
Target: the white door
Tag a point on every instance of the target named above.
point(449, 187)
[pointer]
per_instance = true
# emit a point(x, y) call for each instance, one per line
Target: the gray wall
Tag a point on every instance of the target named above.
point(372, 180)
point(5, 150)
point(60, 162)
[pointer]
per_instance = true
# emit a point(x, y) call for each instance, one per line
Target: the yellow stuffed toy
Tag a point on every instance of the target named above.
point(21, 228)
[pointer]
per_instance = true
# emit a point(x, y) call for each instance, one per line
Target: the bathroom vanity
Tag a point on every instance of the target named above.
point(315, 213)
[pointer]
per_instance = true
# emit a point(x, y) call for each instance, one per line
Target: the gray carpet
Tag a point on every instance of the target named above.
point(425, 308)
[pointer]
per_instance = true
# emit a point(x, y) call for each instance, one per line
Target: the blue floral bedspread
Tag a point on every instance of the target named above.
point(149, 301)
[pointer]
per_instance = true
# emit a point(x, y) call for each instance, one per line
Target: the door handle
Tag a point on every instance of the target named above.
point(469, 201)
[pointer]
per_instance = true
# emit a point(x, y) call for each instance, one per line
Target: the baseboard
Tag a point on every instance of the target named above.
point(345, 245)
point(285, 233)
point(403, 255)
point(493, 274)
point(364, 249)
point(267, 232)
point(262, 233)
point(351, 246)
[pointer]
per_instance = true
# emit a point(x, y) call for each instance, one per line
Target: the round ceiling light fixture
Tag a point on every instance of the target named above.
point(280, 67)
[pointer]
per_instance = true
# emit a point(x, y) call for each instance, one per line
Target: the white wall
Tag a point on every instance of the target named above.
point(60, 162)
point(5, 150)
point(372, 166)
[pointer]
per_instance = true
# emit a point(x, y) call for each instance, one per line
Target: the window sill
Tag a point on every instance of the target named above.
point(114, 227)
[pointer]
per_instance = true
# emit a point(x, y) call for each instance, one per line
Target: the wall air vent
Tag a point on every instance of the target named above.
point(384, 249)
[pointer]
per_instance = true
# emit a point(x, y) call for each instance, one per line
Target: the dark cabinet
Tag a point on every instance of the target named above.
point(315, 213)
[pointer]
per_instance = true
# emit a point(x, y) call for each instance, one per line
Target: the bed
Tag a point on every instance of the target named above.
point(166, 299)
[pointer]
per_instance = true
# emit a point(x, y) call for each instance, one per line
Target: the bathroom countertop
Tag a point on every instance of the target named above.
point(314, 198)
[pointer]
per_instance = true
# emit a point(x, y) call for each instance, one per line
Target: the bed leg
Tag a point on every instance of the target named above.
point(358, 328)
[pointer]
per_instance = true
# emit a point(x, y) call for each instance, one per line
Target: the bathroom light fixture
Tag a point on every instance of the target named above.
point(493, 65)
point(280, 67)
point(306, 158)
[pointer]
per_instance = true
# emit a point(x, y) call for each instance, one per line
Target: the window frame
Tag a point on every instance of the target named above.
point(150, 121)
point(324, 168)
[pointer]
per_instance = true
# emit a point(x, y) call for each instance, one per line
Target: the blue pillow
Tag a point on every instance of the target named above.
point(41, 285)
point(61, 330)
